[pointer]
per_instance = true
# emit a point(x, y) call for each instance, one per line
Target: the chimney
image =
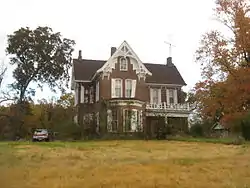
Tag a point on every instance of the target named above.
point(80, 55)
point(113, 50)
point(170, 62)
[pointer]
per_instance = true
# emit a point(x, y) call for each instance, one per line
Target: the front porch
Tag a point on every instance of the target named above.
point(171, 118)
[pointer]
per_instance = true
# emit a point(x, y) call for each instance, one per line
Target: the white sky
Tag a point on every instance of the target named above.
point(96, 25)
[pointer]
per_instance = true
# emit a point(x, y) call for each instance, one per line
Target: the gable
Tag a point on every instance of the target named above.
point(125, 50)
point(85, 69)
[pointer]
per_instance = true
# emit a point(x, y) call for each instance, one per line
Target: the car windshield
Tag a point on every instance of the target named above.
point(41, 131)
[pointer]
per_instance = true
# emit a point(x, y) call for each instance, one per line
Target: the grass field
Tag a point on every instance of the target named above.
point(123, 164)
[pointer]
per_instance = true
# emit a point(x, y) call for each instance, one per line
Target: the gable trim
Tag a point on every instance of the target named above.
point(159, 84)
point(126, 51)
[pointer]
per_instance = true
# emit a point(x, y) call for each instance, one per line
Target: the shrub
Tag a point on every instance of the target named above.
point(196, 130)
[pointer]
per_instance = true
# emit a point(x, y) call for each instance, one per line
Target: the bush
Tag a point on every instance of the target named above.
point(197, 130)
point(242, 125)
point(245, 129)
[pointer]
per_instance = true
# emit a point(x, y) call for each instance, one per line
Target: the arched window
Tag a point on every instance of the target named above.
point(123, 64)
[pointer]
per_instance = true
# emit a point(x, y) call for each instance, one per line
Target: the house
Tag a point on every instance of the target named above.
point(141, 97)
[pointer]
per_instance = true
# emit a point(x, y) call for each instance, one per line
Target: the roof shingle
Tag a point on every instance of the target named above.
point(162, 74)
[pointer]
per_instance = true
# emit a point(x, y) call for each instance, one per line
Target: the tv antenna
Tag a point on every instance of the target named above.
point(170, 47)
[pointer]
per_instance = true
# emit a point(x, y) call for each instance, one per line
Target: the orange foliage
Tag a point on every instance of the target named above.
point(225, 93)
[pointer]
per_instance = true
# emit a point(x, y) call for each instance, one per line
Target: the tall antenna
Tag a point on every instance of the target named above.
point(170, 47)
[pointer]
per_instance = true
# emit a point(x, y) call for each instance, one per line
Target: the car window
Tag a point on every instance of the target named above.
point(41, 131)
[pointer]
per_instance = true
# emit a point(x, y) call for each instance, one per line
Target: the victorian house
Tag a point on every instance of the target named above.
point(139, 94)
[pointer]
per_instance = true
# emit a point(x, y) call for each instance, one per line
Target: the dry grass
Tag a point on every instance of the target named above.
point(124, 164)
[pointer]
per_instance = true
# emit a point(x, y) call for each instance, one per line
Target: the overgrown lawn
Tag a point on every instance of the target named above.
point(123, 164)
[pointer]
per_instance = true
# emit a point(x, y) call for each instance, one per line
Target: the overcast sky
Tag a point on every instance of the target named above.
point(96, 25)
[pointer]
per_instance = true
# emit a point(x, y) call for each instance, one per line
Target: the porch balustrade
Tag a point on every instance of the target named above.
point(170, 107)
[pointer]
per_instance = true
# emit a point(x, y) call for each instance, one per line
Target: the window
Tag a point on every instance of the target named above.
point(97, 92)
point(91, 95)
point(128, 88)
point(171, 96)
point(118, 88)
point(127, 116)
point(131, 120)
point(155, 96)
point(114, 127)
point(123, 64)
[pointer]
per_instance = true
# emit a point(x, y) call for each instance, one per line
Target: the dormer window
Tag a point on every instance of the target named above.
point(123, 64)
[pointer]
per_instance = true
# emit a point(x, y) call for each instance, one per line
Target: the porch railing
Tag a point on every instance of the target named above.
point(170, 107)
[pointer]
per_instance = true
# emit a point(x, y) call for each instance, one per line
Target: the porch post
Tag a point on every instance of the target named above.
point(166, 119)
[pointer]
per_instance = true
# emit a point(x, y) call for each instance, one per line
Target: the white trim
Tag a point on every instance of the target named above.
point(109, 120)
point(120, 60)
point(159, 95)
point(83, 81)
point(127, 101)
point(97, 91)
point(126, 104)
point(114, 85)
point(82, 94)
point(175, 96)
point(167, 95)
point(134, 117)
point(141, 70)
point(133, 92)
point(167, 114)
point(126, 85)
point(151, 94)
point(159, 84)
point(76, 94)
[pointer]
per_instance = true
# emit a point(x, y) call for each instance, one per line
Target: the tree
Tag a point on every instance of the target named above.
point(40, 56)
point(223, 94)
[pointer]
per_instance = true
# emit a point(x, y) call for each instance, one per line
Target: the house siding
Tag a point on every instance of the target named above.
point(141, 91)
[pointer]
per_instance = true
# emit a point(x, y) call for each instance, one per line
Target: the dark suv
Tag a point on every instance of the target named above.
point(41, 135)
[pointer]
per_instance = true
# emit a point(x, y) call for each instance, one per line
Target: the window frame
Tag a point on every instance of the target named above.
point(155, 92)
point(128, 91)
point(127, 120)
point(123, 64)
point(171, 97)
point(114, 120)
point(120, 80)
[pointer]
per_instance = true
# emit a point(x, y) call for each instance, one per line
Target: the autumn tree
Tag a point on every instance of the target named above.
point(39, 56)
point(223, 94)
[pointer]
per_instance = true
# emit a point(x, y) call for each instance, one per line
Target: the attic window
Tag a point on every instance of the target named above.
point(123, 64)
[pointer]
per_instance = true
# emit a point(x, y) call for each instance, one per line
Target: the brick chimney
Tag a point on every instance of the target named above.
point(113, 50)
point(80, 55)
point(170, 62)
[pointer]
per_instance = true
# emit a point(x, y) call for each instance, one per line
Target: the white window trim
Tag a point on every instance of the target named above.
point(133, 120)
point(175, 96)
point(158, 93)
point(110, 121)
point(120, 62)
point(82, 94)
point(97, 92)
point(126, 85)
point(113, 86)
point(76, 94)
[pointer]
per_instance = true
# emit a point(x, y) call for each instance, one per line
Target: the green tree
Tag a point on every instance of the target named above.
point(40, 56)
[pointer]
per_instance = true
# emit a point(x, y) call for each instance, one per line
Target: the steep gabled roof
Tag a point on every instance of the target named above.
point(164, 74)
point(85, 69)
